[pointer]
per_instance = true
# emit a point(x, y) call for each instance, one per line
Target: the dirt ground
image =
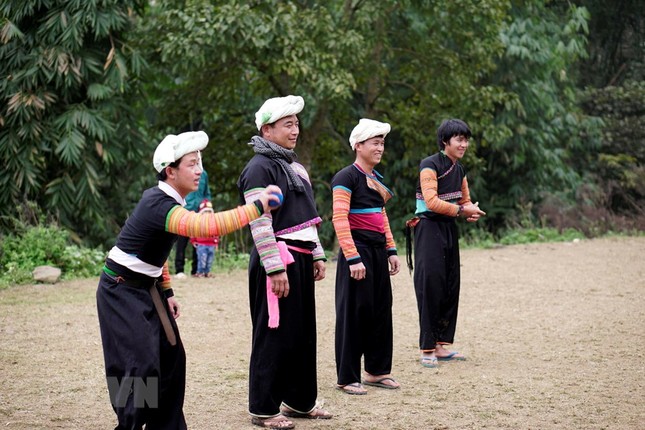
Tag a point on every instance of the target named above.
point(554, 334)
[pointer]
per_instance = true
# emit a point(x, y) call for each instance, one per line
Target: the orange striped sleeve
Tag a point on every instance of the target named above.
point(165, 275)
point(465, 192)
point(341, 198)
point(390, 245)
point(428, 179)
point(190, 224)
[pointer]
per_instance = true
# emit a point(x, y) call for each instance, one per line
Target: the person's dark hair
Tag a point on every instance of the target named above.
point(162, 176)
point(450, 128)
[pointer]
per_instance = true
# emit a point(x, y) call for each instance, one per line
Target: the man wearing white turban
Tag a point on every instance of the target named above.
point(145, 362)
point(363, 287)
point(282, 377)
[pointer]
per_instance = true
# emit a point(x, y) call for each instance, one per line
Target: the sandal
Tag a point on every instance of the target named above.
point(430, 362)
point(386, 382)
point(355, 388)
point(317, 413)
point(279, 422)
point(453, 355)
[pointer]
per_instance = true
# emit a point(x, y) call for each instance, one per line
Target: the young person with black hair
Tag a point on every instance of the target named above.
point(442, 197)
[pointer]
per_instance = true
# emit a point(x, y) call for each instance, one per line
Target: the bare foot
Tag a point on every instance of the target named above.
point(443, 354)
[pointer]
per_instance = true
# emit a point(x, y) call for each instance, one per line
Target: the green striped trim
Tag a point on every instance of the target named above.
point(174, 208)
point(109, 272)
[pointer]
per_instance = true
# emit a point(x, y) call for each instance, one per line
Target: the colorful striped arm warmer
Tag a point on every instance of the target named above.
point(390, 245)
point(319, 251)
point(428, 179)
point(190, 224)
point(264, 237)
point(465, 192)
point(341, 199)
point(165, 283)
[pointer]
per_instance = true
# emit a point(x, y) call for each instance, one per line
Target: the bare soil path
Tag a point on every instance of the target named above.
point(554, 334)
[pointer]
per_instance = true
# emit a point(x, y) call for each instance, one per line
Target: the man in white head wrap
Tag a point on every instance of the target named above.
point(366, 129)
point(364, 303)
point(288, 387)
point(135, 302)
point(278, 107)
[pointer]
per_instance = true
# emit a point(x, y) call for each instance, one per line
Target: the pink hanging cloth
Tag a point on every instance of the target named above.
point(272, 298)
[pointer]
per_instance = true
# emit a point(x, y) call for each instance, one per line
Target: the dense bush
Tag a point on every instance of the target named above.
point(41, 245)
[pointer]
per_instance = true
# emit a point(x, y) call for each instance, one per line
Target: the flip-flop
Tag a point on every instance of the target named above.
point(357, 392)
point(317, 414)
point(430, 362)
point(381, 383)
point(454, 355)
point(273, 423)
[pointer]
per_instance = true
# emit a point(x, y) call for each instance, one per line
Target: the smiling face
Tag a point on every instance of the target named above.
point(185, 177)
point(283, 132)
point(370, 151)
point(456, 147)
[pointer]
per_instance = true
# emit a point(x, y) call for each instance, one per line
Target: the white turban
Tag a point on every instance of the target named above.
point(278, 107)
point(366, 129)
point(173, 147)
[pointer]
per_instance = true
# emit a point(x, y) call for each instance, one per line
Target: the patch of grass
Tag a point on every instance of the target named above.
point(543, 234)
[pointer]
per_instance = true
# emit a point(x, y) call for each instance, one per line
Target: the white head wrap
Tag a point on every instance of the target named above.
point(278, 107)
point(173, 147)
point(367, 128)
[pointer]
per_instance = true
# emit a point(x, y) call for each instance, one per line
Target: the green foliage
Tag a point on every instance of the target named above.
point(348, 61)
point(226, 261)
point(517, 236)
point(45, 245)
point(68, 139)
point(78, 262)
point(616, 43)
point(542, 138)
point(539, 235)
point(510, 68)
point(620, 162)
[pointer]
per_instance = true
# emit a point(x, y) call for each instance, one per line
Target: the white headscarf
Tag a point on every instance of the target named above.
point(278, 107)
point(173, 147)
point(366, 129)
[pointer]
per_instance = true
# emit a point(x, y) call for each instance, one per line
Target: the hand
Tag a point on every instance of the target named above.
point(472, 209)
point(269, 196)
point(319, 270)
point(357, 271)
point(280, 284)
point(173, 305)
point(395, 264)
point(473, 218)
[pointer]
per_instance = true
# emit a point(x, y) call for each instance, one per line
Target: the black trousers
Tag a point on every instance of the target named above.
point(180, 255)
point(283, 359)
point(363, 317)
point(436, 280)
point(138, 359)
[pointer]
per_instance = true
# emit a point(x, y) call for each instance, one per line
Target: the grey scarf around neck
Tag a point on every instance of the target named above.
point(282, 156)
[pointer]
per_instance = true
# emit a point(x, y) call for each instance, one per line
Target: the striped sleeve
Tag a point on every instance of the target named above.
point(428, 180)
point(165, 276)
point(341, 198)
point(390, 245)
point(319, 252)
point(264, 237)
point(190, 224)
point(465, 192)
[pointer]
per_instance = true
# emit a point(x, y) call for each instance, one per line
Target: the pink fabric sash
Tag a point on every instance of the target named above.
point(272, 298)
